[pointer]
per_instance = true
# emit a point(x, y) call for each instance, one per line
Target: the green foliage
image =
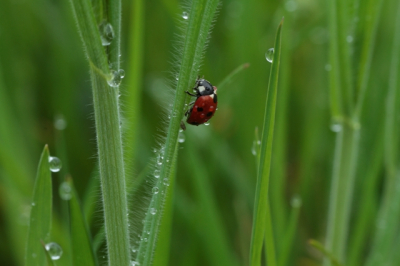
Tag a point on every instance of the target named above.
point(40, 217)
point(339, 69)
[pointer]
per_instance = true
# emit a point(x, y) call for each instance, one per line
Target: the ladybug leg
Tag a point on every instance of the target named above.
point(191, 94)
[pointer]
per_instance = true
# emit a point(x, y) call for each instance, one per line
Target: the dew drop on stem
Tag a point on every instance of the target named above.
point(106, 33)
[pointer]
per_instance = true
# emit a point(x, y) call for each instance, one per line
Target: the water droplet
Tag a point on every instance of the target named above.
point(33, 203)
point(54, 249)
point(349, 39)
point(254, 148)
point(296, 201)
point(328, 67)
point(115, 78)
point(121, 73)
point(291, 6)
point(336, 126)
point(134, 250)
point(166, 182)
point(65, 191)
point(135, 263)
point(207, 123)
point(157, 173)
point(106, 33)
point(60, 123)
point(159, 159)
point(55, 164)
point(145, 239)
point(269, 55)
point(155, 190)
point(181, 137)
point(153, 211)
point(185, 15)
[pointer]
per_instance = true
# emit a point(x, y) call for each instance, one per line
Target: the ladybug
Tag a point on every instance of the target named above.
point(205, 104)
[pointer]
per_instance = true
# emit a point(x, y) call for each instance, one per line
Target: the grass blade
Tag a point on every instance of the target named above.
point(40, 218)
point(199, 24)
point(326, 253)
point(261, 198)
point(107, 118)
point(82, 253)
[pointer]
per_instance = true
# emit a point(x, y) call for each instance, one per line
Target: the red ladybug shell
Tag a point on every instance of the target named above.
point(203, 109)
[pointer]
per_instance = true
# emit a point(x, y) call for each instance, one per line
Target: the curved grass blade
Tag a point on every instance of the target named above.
point(261, 198)
point(326, 253)
point(82, 253)
point(40, 218)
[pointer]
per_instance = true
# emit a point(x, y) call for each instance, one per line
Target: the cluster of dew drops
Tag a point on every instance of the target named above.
point(107, 35)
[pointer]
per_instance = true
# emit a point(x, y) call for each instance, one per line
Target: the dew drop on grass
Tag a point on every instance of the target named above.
point(153, 211)
point(55, 164)
point(65, 191)
point(106, 33)
point(269, 55)
point(116, 78)
point(135, 263)
point(181, 137)
point(207, 123)
point(157, 173)
point(291, 6)
point(166, 182)
point(33, 203)
point(296, 201)
point(185, 15)
point(159, 159)
point(155, 190)
point(60, 123)
point(349, 39)
point(254, 148)
point(336, 127)
point(54, 249)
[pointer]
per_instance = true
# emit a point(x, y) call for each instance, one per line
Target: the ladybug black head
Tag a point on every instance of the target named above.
point(204, 87)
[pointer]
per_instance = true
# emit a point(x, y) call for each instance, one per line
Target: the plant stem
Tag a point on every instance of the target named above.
point(199, 24)
point(107, 118)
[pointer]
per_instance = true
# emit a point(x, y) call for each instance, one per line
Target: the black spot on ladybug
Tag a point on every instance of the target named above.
point(209, 113)
point(199, 109)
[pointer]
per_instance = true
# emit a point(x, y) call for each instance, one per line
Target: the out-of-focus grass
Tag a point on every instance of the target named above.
point(43, 73)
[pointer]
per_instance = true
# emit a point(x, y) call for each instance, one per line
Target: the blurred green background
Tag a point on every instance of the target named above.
point(44, 80)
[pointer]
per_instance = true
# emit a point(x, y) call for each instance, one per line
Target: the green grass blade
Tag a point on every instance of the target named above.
point(40, 218)
point(107, 118)
point(82, 253)
point(199, 24)
point(134, 80)
point(289, 239)
point(230, 76)
point(326, 253)
point(261, 198)
point(161, 254)
point(388, 219)
point(215, 241)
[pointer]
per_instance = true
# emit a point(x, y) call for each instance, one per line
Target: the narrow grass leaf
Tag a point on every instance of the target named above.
point(327, 254)
point(231, 75)
point(82, 253)
point(40, 217)
point(107, 117)
point(261, 197)
point(198, 28)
